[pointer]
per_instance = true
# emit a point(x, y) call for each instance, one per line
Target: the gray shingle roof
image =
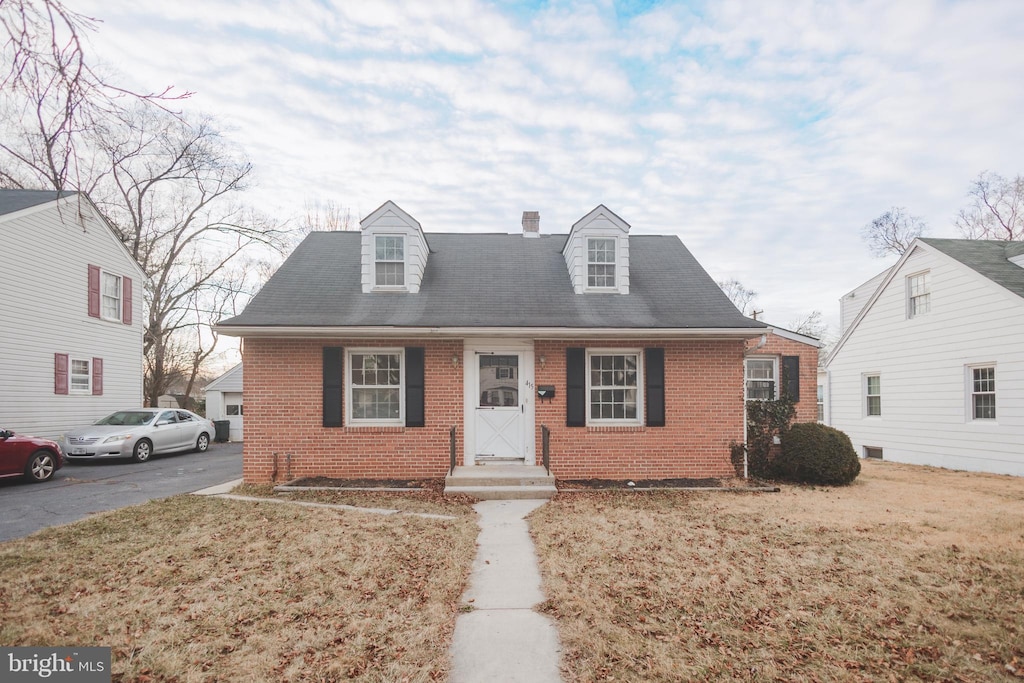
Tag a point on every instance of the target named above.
point(986, 257)
point(488, 280)
point(16, 200)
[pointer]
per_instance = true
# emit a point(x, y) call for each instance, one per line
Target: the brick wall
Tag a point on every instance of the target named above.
point(807, 406)
point(283, 385)
point(703, 414)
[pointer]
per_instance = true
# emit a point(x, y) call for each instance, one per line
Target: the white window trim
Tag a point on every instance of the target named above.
point(405, 264)
point(969, 397)
point(361, 422)
point(120, 296)
point(910, 314)
point(775, 377)
point(864, 395)
point(614, 422)
point(71, 385)
point(587, 287)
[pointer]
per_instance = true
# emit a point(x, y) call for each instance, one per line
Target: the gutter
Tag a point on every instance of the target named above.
point(335, 331)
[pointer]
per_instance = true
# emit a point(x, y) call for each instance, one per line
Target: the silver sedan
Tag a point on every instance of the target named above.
point(138, 434)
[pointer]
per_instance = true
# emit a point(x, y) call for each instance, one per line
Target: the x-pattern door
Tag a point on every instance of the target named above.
point(499, 411)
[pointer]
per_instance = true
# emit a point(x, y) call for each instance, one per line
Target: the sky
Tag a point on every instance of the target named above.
point(764, 134)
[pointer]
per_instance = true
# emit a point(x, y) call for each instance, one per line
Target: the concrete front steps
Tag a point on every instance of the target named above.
point(501, 482)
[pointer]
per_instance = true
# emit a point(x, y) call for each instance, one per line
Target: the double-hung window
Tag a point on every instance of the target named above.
point(80, 376)
point(110, 297)
point(983, 393)
point(761, 374)
point(918, 295)
point(389, 261)
point(375, 386)
point(613, 387)
point(601, 263)
point(873, 395)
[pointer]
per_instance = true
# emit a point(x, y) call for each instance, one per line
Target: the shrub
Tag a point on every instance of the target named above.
point(814, 453)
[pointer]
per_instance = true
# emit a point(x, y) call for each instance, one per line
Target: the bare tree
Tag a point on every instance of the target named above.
point(996, 211)
point(741, 297)
point(812, 324)
point(50, 95)
point(893, 232)
point(327, 216)
point(172, 196)
point(169, 186)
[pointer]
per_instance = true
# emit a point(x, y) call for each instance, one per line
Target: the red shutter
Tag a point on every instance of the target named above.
point(97, 376)
point(60, 373)
point(126, 294)
point(94, 291)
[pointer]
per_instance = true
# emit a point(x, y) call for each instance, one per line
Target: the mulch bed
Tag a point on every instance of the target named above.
point(412, 484)
point(638, 483)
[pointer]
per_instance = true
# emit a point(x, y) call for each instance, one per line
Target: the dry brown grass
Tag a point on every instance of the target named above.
point(201, 589)
point(431, 501)
point(909, 574)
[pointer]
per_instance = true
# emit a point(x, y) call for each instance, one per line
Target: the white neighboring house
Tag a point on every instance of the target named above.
point(71, 338)
point(224, 400)
point(931, 369)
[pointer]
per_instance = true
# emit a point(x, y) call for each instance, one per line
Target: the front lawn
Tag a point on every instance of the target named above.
point(911, 573)
point(203, 589)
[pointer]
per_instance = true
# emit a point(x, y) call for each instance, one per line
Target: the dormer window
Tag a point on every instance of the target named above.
point(389, 261)
point(601, 263)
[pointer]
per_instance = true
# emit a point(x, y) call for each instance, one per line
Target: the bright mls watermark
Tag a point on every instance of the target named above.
point(59, 664)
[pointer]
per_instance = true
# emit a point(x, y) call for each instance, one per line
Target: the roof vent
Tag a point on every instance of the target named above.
point(531, 223)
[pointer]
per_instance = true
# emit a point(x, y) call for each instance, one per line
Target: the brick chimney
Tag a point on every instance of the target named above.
point(531, 223)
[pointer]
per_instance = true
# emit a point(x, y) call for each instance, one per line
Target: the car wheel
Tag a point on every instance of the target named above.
point(143, 449)
point(203, 442)
point(40, 467)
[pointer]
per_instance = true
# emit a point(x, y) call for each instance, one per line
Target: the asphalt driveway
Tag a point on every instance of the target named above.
point(81, 489)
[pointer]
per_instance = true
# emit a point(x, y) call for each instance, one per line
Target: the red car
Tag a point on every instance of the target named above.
point(29, 457)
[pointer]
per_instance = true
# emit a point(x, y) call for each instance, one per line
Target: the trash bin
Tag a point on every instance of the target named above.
point(223, 428)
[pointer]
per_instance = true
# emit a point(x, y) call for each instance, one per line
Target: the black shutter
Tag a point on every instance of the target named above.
point(654, 387)
point(575, 388)
point(334, 385)
point(414, 386)
point(791, 377)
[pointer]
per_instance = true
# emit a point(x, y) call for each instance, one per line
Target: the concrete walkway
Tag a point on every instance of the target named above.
point(503, 640)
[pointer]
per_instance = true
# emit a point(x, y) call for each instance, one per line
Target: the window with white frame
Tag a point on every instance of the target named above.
point(233, 409)
point(613, 387)
point(80, 376)
point(389, 261)
point(873, 394)
point(761, 383)
point(601, 262)
point(110, 297)
point(374, 386)
point(821, 403)
point(983, 392)
point(918, 295)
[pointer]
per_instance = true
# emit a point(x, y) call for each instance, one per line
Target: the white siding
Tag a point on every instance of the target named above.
point(926, 417)
point(44, 290)
point(853, 303)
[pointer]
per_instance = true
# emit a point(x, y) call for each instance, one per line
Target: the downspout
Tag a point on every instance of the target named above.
point(746, 471)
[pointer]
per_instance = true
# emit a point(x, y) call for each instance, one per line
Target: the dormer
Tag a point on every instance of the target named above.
point(394, 251)
point(1015, 254)
point(597, 253)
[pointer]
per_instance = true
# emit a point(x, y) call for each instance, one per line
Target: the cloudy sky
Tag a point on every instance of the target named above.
point(764, 134)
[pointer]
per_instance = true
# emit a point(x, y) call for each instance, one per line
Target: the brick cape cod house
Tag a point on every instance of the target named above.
point(366, 348)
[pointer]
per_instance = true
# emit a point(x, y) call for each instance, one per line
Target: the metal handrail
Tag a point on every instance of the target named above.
point(451, 456)
point(545, 452)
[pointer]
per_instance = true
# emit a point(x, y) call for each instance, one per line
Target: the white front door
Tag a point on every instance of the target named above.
point(500, 406)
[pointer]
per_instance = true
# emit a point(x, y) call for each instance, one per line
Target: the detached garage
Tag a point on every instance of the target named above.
point(224, 400)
